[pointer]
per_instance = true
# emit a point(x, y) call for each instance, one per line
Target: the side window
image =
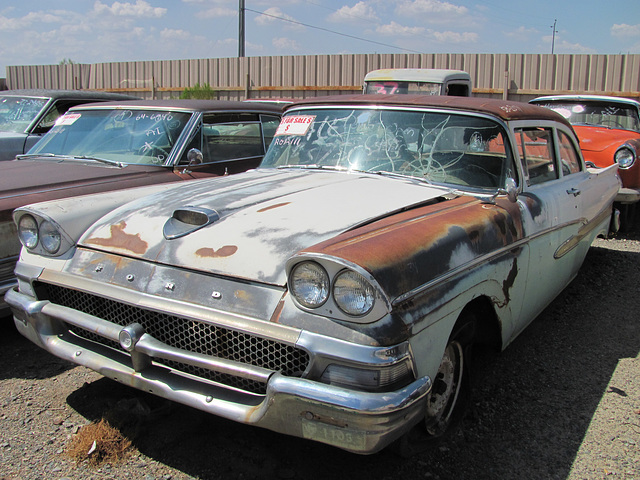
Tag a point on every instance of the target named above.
point(269, 127)
point(569, 158)
point(535, 146)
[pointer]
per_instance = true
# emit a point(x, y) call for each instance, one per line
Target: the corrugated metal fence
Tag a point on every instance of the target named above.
point(513, 76)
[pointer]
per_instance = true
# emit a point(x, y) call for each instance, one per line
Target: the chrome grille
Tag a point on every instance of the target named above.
point(189, 335)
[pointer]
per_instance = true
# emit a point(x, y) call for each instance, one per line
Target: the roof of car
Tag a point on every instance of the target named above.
point(436, 75)
point(190, 105)
point(586, 98)
point(504, 109)
point(67, 94)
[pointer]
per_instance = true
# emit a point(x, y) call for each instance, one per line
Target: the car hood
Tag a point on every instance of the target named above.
point(31, 180)
point(265, 217)
point(598, 139)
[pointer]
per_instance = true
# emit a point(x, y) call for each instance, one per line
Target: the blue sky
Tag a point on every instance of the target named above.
point(37, 32)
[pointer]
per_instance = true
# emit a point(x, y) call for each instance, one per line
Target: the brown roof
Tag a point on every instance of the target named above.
point(504, 109)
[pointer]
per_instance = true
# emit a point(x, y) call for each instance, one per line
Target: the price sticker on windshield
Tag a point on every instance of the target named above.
point(68, 119)
point(295, 125)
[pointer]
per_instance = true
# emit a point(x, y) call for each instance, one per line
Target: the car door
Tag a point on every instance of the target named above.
point(553, 215)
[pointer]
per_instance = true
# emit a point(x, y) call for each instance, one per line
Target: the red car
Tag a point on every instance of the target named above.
point(609, 132)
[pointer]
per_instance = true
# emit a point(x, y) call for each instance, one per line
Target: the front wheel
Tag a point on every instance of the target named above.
point(449, 394)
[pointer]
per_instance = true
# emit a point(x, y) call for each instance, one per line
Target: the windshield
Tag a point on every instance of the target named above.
point(461, 150)
point(391, 87)
point(125, 136)
point(612, 115)
point(17, 113)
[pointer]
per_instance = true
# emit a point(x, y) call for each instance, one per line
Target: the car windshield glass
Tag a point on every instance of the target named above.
point(457, 149)
point(17, 113)
point(612, 115)
point(124, 136)
point(391, 87)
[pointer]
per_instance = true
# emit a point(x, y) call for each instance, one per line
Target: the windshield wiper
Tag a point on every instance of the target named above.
point(74, 157)
point(101, 160)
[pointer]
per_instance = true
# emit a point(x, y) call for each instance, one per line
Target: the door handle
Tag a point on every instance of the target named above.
point(573, 191)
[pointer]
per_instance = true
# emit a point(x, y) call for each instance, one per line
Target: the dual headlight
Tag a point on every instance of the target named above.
point(625, 156)
point(312, 288)
point(40, 235)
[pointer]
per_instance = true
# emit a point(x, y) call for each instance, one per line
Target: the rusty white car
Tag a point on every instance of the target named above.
point(334, 292)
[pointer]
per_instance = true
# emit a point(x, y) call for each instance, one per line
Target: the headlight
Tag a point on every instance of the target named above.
point(353, 294)
point(50, 237)
point(625, 157)
point(28, 231)
point(309, 284)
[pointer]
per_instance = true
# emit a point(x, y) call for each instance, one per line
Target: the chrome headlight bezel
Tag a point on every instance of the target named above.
point(40, 234)
point(374, 303)
point(625, 156)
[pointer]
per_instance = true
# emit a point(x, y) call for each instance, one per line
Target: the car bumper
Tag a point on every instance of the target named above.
point(360, 422)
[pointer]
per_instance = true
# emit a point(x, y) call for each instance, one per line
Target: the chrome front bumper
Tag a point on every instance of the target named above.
point(359, 422)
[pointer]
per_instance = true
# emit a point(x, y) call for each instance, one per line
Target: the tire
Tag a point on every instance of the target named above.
point(450, 392)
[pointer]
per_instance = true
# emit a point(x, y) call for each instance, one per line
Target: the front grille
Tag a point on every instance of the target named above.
point(7, 266)
point(189, 335)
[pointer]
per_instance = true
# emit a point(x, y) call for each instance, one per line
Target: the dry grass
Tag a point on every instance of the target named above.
point(99, 443)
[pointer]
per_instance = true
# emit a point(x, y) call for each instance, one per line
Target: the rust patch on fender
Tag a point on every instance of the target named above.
point(120, 239)
point(225, 251)
point(271, 207)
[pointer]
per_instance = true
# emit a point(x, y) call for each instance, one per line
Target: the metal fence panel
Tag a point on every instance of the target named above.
point(514, 76)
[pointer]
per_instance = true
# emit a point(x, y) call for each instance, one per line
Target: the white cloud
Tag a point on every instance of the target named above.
point(273, 15)
point(360, 11)
point(419, 7)
point(623, 30)
point(174, 34)
point(395, 29)
point(138, 9)
point(285, 44)
point(521, 33)
point(217, 12)
point(455, 37)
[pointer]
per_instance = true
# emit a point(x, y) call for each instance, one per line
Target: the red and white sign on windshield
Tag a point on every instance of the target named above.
point(295, 125)
point(67, 119)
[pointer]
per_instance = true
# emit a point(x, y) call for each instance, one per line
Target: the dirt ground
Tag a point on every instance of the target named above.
point(561, 402)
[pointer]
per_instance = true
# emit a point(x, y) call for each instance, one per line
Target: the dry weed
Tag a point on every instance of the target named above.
point(98, 443)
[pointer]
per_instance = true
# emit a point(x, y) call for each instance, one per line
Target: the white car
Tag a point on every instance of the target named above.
point(332, 293)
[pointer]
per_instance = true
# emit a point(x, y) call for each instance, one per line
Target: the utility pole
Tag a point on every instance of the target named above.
point(553, 37)
point(241, 29)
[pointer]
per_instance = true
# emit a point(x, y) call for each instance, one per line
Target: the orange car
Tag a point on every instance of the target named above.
point(609, 132)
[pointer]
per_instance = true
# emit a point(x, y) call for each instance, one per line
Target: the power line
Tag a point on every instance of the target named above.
point(331, 31)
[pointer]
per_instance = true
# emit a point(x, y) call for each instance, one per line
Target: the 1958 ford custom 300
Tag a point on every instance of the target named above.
point(334, 292)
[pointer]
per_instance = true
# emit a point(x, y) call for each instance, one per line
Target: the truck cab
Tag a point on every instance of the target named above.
point(425, 81)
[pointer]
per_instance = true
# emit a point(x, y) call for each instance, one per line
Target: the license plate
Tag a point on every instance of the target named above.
point(338, 436)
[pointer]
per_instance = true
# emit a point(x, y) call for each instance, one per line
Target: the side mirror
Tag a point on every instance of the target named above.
point(511, 189)
point(194, 156)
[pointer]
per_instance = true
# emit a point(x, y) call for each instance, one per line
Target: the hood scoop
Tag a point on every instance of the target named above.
point(187, 220)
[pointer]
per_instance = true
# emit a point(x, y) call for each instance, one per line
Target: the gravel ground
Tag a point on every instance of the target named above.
point(562, 402)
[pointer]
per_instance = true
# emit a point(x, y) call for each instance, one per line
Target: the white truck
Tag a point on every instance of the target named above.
point(426, 81)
